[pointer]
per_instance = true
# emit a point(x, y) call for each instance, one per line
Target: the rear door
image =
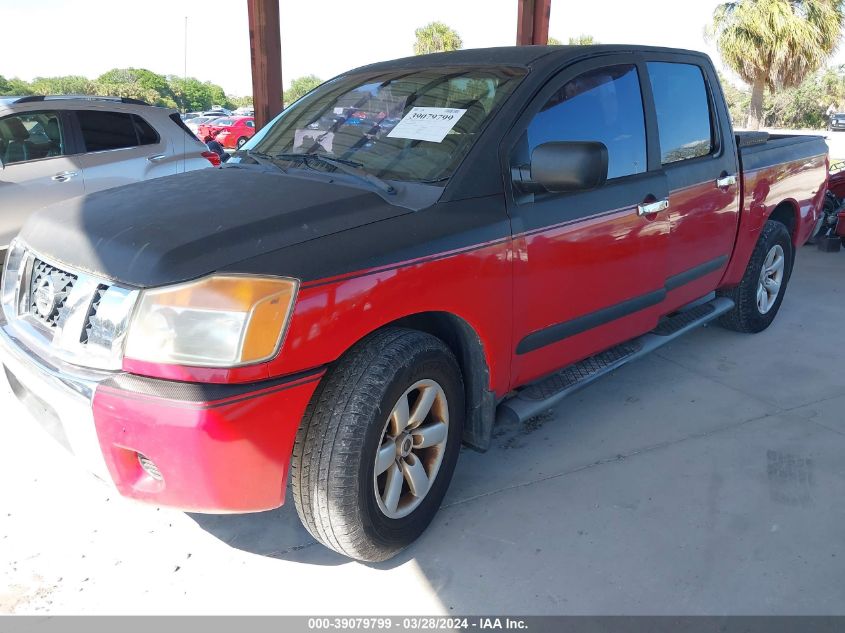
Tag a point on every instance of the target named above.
point(698, 155)
point(589, 266)
point(121, 148)
point(39, 167)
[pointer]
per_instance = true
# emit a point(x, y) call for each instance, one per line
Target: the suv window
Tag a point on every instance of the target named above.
point(602, 105)
point(146, 134)
point(31, 136)
point(106, 130)
point(178, 121)
point(683, 111)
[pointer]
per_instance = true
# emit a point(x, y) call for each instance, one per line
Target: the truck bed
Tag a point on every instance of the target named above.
point(761, 149)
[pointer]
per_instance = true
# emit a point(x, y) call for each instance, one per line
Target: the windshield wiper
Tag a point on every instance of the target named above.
point(261, 158)
point(346, 166)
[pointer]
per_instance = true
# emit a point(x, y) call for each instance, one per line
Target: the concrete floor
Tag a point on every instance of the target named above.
point(707, 478)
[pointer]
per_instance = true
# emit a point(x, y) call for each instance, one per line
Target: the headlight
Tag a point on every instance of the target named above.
point(219, 321)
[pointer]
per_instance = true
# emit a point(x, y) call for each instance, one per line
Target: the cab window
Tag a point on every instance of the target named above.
point(602, 105)
point(683, 111)
point(31, 136)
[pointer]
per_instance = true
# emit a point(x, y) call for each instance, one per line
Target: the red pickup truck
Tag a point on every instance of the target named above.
point(416, 247)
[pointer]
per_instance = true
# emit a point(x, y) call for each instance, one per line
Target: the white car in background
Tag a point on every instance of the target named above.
point(54, 148)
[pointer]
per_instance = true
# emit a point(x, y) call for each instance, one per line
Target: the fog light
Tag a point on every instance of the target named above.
point(149, 467)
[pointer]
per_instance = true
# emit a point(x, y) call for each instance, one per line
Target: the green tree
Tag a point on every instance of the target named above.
point(136, 83)
point(241, 102)
point(802, 106)
point(736, 98)
point(553, 41)
point(67, 85)
point(190, 94)
point(15, 87)
point(775, 43)
point(436, 37)
point(582, 40)
point(218, 95)
point(299, 87)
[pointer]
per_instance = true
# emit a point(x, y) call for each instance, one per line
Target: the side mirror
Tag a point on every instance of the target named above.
point(565, 166)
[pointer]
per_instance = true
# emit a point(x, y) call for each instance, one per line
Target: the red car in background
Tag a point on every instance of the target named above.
point(232, 132)
point(835, 215)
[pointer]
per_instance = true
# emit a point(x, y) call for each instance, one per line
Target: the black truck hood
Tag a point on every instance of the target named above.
point(182, 227)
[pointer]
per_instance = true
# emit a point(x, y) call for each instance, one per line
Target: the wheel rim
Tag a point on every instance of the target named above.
point(241, 142)
point(771, 279)
point(411, 449)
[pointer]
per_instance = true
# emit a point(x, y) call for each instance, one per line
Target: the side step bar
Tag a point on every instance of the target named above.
point(542, 395)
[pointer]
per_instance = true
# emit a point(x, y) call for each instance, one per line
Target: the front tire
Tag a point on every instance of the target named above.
point(241, 142)
point(378, 444)
point(759, 295)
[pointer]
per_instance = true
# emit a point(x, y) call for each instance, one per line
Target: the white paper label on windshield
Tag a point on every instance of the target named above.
point(427, 124)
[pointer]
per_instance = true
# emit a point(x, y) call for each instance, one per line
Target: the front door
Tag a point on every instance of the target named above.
point(590, 266)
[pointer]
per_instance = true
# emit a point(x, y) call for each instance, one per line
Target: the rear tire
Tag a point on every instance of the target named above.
point(367, 478)
point(759, 295)
point(242, 141)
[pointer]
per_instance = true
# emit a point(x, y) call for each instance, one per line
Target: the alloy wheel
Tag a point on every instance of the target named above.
point(771, 279)
point(411, 449)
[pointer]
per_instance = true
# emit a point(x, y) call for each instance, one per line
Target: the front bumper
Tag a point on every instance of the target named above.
point(219, 448)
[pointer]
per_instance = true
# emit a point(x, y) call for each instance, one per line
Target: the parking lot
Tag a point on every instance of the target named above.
point(707, 478)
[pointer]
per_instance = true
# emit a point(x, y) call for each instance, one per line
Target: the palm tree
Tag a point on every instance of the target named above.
point(775, 43)
point(436, 37)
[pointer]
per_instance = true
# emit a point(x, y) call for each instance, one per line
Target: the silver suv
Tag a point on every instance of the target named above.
point(54, 148)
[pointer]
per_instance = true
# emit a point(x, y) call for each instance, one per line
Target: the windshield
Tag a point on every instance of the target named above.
point(400, 125)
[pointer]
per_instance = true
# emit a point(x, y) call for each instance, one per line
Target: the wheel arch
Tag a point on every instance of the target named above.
point(788, 214)
point(471, 355)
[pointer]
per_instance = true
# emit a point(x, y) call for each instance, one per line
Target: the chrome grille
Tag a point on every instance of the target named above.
point(72, 316)
point(49, 288)
point(91, 328)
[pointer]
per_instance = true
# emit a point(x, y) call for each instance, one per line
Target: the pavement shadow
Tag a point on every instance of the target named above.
point(275, 534)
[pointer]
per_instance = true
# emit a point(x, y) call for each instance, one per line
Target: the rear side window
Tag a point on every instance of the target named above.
point(178, 121)
point(106, 130)
point(146, 134)
point(602, 105)
point(683, 111)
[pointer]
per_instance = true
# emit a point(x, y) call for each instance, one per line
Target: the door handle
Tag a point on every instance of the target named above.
point(725, 181)
point(647, 208)
point(64, 176)
point(156, 157)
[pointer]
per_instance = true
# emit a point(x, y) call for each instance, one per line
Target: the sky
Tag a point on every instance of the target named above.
point(321, 37)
